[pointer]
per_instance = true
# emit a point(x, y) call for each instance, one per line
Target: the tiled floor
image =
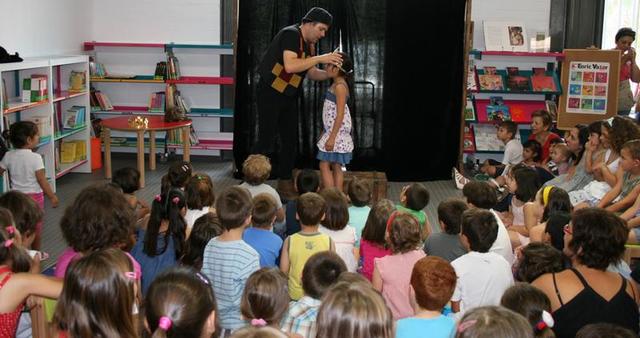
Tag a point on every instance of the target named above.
point(221, 173)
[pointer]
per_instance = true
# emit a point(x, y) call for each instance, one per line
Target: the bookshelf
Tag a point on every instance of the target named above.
point(48, 112)
point(132, 87)
point(479, 134)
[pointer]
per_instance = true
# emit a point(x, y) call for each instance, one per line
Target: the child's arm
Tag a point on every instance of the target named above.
point(631, 212)
point(607, 175)
point(376, 279)
point(341, 100)
point(23, 285)
point(614, 192)
point(625, 202)
point(46, 188)
point(284, 257)
point(425, 231)
point(144, 208)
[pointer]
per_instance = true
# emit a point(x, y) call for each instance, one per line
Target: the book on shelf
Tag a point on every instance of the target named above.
point(34, 88)
point(490, 79)
point(541, 82)
point(97, 69)
point(471, 77)
point(498, 111)
point(157, 102)
point(469, 111)
point(515, 81)
point(552, 108)
point(486, 138)
point(469, 144)
point(103, 100)
point(161, 71)
point(173, 66)
point(73, 117)
point(174, 136)
point(43, 123)
point(77, 81)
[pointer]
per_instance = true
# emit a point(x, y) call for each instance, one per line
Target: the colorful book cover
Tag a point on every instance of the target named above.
point(543, 83)
point(515, 81)
point(469, 112)
point(498, 113)
point(490, 82)
point(469, 144)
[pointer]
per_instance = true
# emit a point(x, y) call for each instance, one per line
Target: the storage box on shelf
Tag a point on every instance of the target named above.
point(511, 92)
point(62, 92)
point(129, 86)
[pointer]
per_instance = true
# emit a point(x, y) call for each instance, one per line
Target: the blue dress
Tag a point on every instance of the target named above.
point(343, 146)
point(152, 266)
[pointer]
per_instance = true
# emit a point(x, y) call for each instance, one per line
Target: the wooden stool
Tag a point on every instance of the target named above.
point(378, 181)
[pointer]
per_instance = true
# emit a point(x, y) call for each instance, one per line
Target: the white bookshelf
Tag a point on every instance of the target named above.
point(57, 69)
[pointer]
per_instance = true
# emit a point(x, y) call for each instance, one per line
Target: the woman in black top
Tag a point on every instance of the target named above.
point(588, 293)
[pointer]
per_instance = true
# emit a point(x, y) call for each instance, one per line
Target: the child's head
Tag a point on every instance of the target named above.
point(450, 215)
point(523, 182)
point(630, 155)
point(493, 321)
point(98, 218)
point(204, 229)
point(537, 259)
point(256, 169)
point(403, 232)
point(264, 211)
point(540, 121)
point(376, 225)
point(177, 176)
point(234, 207)
point(414, 196)
point(337, 214)
point(359, 192)
point(23, 134)
point(433, 280)
point(479, 230)
point(480, 194)
point(554, 230)
point(128, 179)
point(595, 131)
point(310, 209)
point(98, 296)
point(11, 253)
point(170, 207)
point(531, 151)
point(321, 272)
point(554, 200)
point(355, 311)
point(265, 296)
point(353, 277)
point(307, 181)
point(26, 214)
point(507, 131)
point(608, 330)
point(621, 130)
point(180, 303)
point(345, 70)
point(199, 192)
point(531, 303)
point(560, 153)
point(258, 332)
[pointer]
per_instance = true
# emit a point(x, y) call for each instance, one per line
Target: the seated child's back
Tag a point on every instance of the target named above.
point(306, 181)
point(360, 196)
point(260, 236)
point(335, 225)
point(446, 244)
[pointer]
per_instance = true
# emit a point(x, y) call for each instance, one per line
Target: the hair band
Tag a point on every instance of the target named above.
point(466, 324)
point(546, 321)
point(609, 121)
point(176, 200)
point(258, 322)
point(545, 195)
point(8, 243)
point(131, 274)
point(164, 323)
point(10, 229)
point(185, 168)
point(392, 218)
point(158, 198)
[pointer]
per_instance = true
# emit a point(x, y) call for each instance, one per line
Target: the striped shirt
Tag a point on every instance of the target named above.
point(301, 318)
point(228, 265)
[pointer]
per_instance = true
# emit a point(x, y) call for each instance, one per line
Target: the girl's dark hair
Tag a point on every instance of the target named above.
point(528, 183)
point(621, 130)
point(534, 146)
point(98, 296)
point(376, 224)
point(528, 301)
point(166, 207)
point(20, 131)
point(26, 213)
point(347, 71)
point(100, 217)
point(128, 179)
point(598, 237)
point(595, 127)
point(608, 330)
point(625, 31)
point(555, 228)
point(265, 296)
point(583, 138)
point(176, 177)
point(537, 259)
point(336, 216)
point(185, 296)
point(11, 254)
point(199, 191)
point(559, 201)
point(204, 229)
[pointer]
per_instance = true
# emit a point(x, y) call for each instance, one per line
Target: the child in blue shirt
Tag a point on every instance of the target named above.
point(260, 236)
point(359, 195)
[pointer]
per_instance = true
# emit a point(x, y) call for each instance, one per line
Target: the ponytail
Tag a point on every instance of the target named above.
point(11, 253)
point(166, 207)
point(164, 325)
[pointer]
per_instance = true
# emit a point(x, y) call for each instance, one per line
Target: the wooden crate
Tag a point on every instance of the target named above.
point(377, 179)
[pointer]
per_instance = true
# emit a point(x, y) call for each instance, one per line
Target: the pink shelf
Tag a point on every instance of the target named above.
point(213, 144)
point(68, 169)
point(16, 106)
point(130, 108)
point(92, 44)
point(204, 80)
point(528, 54)
point(63, 95)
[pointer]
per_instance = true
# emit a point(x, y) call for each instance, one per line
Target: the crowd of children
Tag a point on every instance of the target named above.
point(242, 262)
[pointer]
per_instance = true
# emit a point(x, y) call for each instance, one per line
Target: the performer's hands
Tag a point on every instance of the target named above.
point(331, 59)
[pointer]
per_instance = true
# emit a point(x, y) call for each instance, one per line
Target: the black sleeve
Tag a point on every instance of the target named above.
point(290, 40)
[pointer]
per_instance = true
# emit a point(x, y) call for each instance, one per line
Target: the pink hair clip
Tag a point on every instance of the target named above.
point(164, 323)
point(8, 243)
point(131, 274)
point(10, 229)
point(259, 322)
point(466, 324)
point(158, 198)
point(176, 200)
point(185, 167)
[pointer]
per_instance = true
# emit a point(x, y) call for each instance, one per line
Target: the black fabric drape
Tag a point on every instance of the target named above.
point(383, 38)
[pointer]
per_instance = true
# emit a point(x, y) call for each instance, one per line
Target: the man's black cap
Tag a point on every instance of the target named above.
point(317, 14)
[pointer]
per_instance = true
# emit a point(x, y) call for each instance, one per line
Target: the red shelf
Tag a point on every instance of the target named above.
point(130, 108)
point(520, 110)
point(204, 80)
point(92, 44)
point(527, 54)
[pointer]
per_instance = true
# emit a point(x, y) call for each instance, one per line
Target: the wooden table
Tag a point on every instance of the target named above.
point(156, 123)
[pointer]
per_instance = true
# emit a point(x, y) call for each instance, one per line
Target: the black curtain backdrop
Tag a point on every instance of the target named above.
point(404, 104)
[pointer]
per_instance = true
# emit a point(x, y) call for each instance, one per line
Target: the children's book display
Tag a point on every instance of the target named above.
point(497, 111)
point(490, 79)
point(469, 111)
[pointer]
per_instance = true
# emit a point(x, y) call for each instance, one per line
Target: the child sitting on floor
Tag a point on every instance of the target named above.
point(414, 198)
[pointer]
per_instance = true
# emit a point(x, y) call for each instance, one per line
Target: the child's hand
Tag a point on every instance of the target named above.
point(328, 146)
point(54, 201)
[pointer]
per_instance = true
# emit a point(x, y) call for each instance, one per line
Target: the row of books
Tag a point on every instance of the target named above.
point(73, 117)
point(497, 110)
point(157, 102)
point(161, 71)
point(538, 80)
point(97, 69)
point(34, 88)
point(175, 100)
point(175, 136)
point(173, 66)
point(100, 100)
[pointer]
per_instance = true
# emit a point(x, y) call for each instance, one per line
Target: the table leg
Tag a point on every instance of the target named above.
point(186, 144)
point(152, 149)
point(106, 138)
point(140, 147)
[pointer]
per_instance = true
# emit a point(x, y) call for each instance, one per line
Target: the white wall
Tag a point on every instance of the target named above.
point(533, 13)
point(44, 27)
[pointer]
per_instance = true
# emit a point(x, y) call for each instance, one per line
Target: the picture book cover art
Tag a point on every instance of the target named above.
point(497, 111)
point(486, 138)
point(515, 81)
point(469, 143)
point(469, 112)
point(541, 82)
point(490, 80)
point(471, 77)
point(552, 108)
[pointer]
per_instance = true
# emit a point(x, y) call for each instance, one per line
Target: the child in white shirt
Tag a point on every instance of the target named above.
point(512, 151)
